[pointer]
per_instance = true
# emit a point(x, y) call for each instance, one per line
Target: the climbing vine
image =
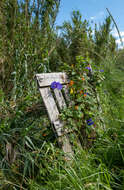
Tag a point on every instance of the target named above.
point(83, 113)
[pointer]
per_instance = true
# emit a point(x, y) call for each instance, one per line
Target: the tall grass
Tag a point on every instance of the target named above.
point(40, 164)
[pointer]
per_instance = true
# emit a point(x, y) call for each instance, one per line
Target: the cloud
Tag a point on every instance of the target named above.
point(92, 17)
point(119, 42)
point(93, 32)
point(115, 34)
point(97, 16)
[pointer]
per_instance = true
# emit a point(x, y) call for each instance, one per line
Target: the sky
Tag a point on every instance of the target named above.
point(95, 12)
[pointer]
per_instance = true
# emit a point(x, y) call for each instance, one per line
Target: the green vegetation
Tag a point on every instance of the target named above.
point(30, 44)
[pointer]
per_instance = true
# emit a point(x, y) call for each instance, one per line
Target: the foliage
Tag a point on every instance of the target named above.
point(29, 45)
point(23, 24)
point(85, 81)
point(104, 41)
point(76, 39)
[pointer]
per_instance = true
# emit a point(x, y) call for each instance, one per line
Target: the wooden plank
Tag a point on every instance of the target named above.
point(53, 115)
point(66, 147)
point(11, 153)
point(46, 79)
point(66, 92)
point(59, 98)
point(52, 109)
point(49, 103)
point(59, 127)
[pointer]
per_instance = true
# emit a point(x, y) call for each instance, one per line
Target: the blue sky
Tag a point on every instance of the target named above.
point(95, 11)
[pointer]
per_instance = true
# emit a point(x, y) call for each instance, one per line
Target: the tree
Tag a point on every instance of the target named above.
point(104, 41)
point(76, 38)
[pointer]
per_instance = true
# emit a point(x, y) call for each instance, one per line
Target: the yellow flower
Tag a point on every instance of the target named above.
point(71, 91)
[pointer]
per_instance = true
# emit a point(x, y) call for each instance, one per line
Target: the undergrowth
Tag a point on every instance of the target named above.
point(40, 163)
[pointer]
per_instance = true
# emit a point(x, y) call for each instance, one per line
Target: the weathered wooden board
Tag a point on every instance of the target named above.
point(58, 125)
point(66, 147)
point(66, 92)
point(46, 79)
point(11, 153)
point(59, 98)
point(49, 103)
point(60, 128)
point(52, 110)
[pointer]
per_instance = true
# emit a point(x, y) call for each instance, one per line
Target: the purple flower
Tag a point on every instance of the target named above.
point(88, 68)
point(90, 122)
point(101, 70)
point(59, 86)
point(56, 85)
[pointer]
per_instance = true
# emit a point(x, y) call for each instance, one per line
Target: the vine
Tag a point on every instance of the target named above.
point(84, 113)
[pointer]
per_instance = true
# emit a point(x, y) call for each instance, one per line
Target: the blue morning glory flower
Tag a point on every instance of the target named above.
point(53, 85)
point(56, 85)
point(90, 122)
point(87, 93)
point(88, 68)
point(59, 86)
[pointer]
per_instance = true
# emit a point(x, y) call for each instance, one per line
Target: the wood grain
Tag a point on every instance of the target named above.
point(46, 79)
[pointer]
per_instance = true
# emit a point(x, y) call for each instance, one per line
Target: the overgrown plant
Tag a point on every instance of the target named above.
point(84, 112)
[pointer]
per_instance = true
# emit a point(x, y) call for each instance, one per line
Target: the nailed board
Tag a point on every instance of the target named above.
point(46, 79)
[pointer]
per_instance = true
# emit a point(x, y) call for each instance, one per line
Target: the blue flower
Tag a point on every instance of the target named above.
point(56, 85)
point(87, 93)
point(90, 122)
point(53, 85)
point(101, 70)
point(59, 86)
point(88, 68)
